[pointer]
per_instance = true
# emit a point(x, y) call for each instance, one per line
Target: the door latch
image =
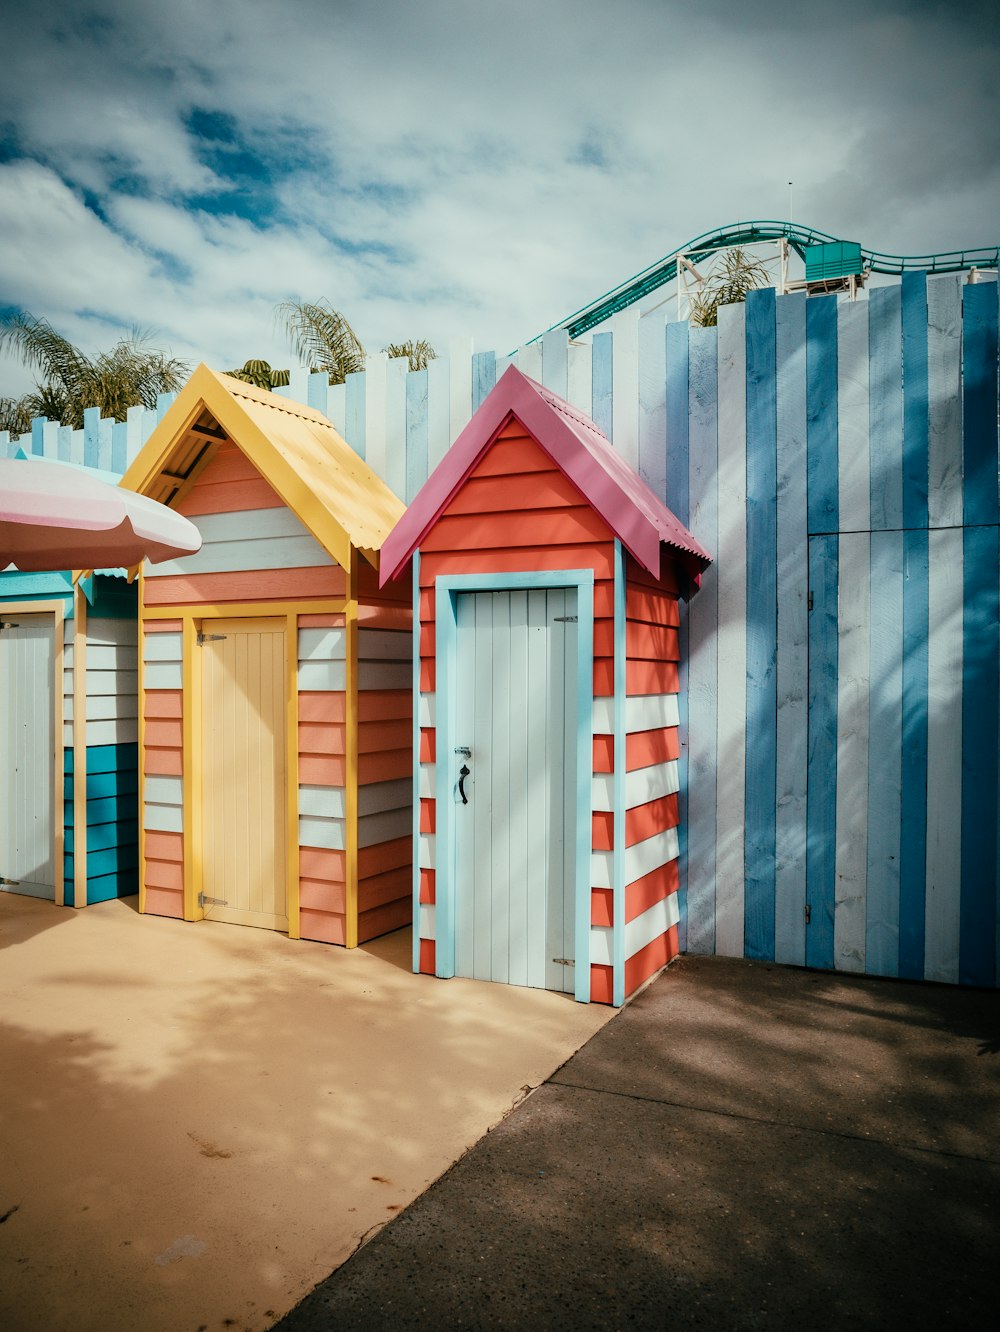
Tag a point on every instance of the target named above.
point(564, 961)
point(463, 772)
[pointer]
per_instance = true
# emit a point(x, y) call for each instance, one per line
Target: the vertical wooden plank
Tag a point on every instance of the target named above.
point(438, 413)
point(944, 400)
point(979, 403)
point(477, 784)
point(536, 794)
point(459, 385)
point(652, 387)
point(119, 447)
point(579, 390)
point(76, 448)
point(416, 432)
point(517, 822)
point(677, 480)
point(885, 407)
point(91, 436)
point(822, 797)
point(396, 439)
point(336, 408)
point(731, 563)
point(64, 444)
point(567, 710)
point(484, 377)
point(104, 444)
point(762, 626)
point(50, 440)
point(602, 384)
point(376, 371)
point(885, 754)
point(482, 752)
point(821, 414)
point(555, 361)
point(851, 872)
point(317, 391)
point(528, 360)
point(913, 798)
point(978, 961)
point(915, 424)
point(702, 653)
point(625, 373)
point(944, 754)
point(499, 858)
point(134, 433)
point(791, 536)
point(853, 466)
point(354, 412)
point(979, 748)
point(556, 781)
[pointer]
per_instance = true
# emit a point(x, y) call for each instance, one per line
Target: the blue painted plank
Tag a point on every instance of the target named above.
point(318, 391)
point(107, 758)
point(885, 407)
point(678, 483)
point(913, 799)
point(91, 436)
point(118, 805)
point(484, 377)
point(107, 887)
point(821, 805)
point(793, 634)
point(416, 432)
point(981, 689)
point(885, 754)
point(100, 785)
point(114, 860)
point(105, 837)
point(762, 623)
point(979, 405)
point(38, 435)
point(119, 446)
point(601, 383)
point(354, 419)
point(21, 586)
point(821, 414)
point(915, 399)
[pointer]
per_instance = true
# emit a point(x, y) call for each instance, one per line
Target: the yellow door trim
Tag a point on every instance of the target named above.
point(292, 773)
point(351, 746)
point(244, 609)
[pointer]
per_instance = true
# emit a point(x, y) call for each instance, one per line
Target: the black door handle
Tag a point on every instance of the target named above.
point(463, 772)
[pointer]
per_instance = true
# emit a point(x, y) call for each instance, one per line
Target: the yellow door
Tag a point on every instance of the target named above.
point(243, 772)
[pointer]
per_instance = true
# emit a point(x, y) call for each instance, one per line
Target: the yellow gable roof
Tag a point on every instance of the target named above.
point(332, 491)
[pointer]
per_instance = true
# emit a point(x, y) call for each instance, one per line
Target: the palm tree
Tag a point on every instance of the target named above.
point(131, 374)
point(727, 284)
point(418, 353)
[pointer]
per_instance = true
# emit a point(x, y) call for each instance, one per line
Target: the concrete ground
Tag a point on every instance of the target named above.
point(199, 1122)
point(744, 1146)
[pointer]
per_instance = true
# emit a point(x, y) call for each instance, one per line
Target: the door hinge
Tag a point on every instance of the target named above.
point(809, 602)
point(11, 883)
point(566, 619)
point(204, 901)
point(202, 639)
point(809, 912)
point(564, 961)
point(9, 624)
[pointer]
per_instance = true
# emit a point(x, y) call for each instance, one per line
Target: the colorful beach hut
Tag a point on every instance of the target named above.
point(68, 735)
point(547, 579)
point(275, 724)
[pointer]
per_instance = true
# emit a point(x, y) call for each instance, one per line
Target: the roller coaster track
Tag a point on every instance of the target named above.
point(753, 233)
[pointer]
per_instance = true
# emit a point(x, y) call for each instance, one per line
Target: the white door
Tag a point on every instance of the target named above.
point(27, 663)
point(515, 839)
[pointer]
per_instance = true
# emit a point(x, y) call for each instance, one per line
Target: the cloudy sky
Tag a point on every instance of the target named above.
point(445, 169)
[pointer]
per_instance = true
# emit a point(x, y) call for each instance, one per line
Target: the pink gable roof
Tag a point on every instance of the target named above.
point(581, 451)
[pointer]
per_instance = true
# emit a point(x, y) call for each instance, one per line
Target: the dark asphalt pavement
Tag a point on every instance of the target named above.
point(745, 1146)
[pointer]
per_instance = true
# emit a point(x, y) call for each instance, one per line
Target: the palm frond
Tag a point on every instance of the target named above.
point(322, 338)
point(418, 352)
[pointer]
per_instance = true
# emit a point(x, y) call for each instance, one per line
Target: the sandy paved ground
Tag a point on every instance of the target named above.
point(199, 1122)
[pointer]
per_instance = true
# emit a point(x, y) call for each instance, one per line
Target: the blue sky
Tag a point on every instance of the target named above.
point(444, 170)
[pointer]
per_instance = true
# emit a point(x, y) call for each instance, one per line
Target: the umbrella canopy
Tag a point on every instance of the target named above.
point(55, 516)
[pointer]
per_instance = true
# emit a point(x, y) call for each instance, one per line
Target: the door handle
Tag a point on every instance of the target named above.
point(463, 772)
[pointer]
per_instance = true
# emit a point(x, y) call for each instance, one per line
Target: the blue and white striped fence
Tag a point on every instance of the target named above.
point(841, 462)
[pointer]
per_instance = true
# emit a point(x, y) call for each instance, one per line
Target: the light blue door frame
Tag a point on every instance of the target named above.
point(448, 588)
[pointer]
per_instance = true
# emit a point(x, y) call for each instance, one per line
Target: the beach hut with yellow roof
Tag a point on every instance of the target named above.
point(275, 717)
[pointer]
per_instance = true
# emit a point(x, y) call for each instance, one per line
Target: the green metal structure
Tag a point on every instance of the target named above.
point(800, 239)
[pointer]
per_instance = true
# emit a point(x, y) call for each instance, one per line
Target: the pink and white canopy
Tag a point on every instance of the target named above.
point(56, 516)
